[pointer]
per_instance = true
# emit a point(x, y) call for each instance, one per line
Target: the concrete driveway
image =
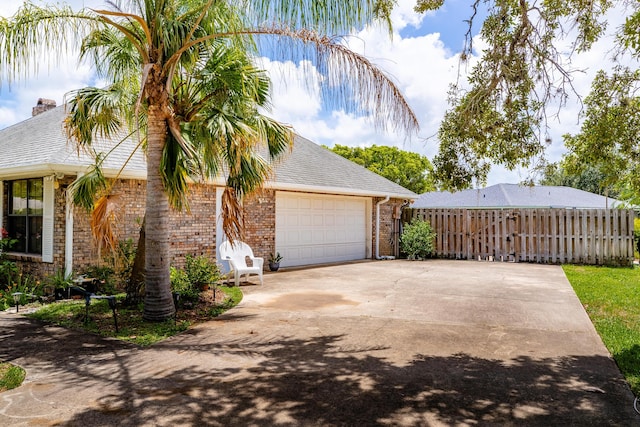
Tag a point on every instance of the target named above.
point(378, 343)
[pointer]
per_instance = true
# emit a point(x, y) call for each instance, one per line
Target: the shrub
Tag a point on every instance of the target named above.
point(417, 239)
point(198, 271)
point(8, 272)
point(180, 283)
point(201, 271)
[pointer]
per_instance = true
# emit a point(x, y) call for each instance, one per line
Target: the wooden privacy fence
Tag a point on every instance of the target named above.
point(573, 236)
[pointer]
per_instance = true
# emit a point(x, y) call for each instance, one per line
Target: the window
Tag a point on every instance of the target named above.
point(26, 203)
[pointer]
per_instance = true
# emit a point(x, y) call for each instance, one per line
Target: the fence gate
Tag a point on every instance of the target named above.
point(585, 236)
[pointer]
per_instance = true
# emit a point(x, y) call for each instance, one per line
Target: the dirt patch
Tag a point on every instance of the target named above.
point(308, 301)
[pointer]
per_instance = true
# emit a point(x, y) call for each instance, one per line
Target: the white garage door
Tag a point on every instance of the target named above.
point(313, 229)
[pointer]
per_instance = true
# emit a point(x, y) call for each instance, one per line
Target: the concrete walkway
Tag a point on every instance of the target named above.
point(379, 343)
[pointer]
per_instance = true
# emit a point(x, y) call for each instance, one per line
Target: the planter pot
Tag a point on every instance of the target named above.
point(274, 266)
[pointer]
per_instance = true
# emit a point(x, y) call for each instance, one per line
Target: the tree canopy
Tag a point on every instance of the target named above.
point(609, 138)
point(591, 178)
point(410, 170)
point(501, 115)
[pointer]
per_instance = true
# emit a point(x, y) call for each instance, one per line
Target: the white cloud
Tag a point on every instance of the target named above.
point(424, 68)
point(59, 73)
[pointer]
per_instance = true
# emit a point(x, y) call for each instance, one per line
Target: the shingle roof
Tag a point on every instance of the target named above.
point(514, 195)
point(39, 145)
point(312, 165)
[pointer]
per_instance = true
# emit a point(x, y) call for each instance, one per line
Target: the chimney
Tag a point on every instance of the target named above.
point(42, 106)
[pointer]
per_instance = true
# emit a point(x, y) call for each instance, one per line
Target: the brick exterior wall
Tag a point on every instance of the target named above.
point(388, 226)
point(260, 223)
point(193, 232)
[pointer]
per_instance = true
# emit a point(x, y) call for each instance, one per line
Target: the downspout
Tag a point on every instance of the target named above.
point(378, 227)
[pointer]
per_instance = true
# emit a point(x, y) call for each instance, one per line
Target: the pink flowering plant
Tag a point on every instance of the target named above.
point(5, 241)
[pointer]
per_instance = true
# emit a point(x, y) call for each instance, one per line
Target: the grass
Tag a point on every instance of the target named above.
point(11, 376)
point(611, 297)
point(131, 326)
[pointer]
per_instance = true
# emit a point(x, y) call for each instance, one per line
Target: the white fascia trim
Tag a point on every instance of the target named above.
point(47, 169)
point(337, 190)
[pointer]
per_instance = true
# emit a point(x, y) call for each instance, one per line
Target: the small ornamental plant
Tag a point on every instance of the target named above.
point(275, 258)
point(417, 239)
point(5, 241)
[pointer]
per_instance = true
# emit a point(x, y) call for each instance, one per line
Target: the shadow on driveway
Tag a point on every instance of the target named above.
point(289, 368)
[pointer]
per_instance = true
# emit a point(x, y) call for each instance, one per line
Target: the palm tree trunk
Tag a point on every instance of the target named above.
point(158, 302)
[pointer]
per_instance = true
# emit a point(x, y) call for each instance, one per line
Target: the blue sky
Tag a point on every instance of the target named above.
point(420, 58)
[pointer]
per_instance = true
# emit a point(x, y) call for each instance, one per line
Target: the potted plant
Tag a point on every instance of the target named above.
point(274, 261)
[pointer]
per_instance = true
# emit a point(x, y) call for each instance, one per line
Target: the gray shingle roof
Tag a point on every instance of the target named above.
point(515, 196)
point(312, 165)
point(39, 145)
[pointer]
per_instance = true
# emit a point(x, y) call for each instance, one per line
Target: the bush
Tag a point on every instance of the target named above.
point(8, 269)
point(198, 271)
point(417, 239)
point(201, 271)
point(180, 283)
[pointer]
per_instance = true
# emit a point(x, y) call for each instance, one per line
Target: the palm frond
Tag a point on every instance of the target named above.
point(103, 218)
point(232, 215)
point(353, 81)
point(328, 17)
point(87, 187)
point(94, 112)
point(35, 30)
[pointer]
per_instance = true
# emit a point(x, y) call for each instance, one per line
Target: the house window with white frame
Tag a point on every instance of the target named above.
point(25, 214)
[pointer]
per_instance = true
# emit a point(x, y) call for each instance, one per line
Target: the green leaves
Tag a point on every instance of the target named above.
point(410, 170)
point(501, 117)
point(608, 138)
point(417, 239)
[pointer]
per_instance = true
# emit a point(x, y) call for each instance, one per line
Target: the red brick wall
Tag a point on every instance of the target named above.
point(388, 226)
point(260, 223)
point(193, 232)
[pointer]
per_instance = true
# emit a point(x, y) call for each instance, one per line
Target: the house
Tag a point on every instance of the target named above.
point(501, 196)
point(317, 208)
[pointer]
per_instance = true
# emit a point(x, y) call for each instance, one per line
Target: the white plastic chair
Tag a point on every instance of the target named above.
point(237, 254)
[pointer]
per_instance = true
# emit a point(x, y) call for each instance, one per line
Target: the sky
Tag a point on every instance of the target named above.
point(421, 58)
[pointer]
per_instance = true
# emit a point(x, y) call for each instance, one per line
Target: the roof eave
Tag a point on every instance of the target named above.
point(338, 190)
point(31, 171)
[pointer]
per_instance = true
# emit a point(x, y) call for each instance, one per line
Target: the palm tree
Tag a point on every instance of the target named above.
point(189, 118)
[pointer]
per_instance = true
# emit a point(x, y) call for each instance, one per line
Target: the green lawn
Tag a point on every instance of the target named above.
point(131, 326)
point(611, 297)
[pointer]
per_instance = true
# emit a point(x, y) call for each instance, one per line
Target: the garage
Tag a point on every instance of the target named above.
point(315, 228)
